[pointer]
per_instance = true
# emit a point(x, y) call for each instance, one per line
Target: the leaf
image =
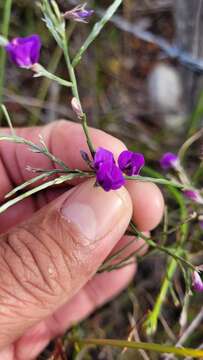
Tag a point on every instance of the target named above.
point(96, 30)
point(30, 182)
point(144, 346)
point(41, 71)
point(8, 119)
point(30, 192)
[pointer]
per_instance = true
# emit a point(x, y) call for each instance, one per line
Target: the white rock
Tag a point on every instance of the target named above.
point(165, 89)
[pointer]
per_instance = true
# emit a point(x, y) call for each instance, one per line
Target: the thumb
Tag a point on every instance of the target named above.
point(45, 261)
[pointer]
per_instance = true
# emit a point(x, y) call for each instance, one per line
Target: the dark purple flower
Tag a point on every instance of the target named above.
point(79, 13)
point(130, 162)
point(197, 282)
point(169, 160)
point(24, 52)
point(108, 175)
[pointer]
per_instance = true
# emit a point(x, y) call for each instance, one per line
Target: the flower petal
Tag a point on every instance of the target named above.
point(130, 162)
point(109, 176)
point(169, 160)
point(101, 156)
point(24, 52)
point(197, 282)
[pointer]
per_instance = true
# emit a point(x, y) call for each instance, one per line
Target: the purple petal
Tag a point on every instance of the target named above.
point(24, 52)
point(109, 176)
point(103, 156)
point(197, 282)
point(193, 195)
point(130, 162)
point(169, 160)
point(85, 14)
point(79, 13)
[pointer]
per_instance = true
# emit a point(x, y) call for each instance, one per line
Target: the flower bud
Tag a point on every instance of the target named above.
point(79, 14)
point(193, 195)
point(169, 160)
point(197, 282)
point(77, 107)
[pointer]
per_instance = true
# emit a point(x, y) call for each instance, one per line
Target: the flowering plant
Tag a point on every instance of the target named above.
point(108, 174)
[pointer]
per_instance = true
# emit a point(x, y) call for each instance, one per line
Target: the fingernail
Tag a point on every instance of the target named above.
point(93, 211)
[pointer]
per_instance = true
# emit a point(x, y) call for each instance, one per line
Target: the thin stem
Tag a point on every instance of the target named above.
point(142, 345)
point(4, 31)
point(6, 114)
point(96, 30)
point(160, 181)
point(164, 249)
point(189, 142)
point(152, 319)
point(76, 94)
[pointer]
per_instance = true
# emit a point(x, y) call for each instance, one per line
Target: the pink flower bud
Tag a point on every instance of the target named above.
point(197, 282)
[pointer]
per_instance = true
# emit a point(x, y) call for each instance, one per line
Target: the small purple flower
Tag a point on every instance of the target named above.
point(197, 282)
point(24, 52)
point(169, 160)
point(79, 13)
point(108, 175)
point(130, 162)
point(102, 156)
point(193, 195)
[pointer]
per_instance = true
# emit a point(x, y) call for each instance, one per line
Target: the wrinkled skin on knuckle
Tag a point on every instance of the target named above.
point(42, 265)
point(41, 268)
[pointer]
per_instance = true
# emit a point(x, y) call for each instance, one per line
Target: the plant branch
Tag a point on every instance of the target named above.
point(142, 345)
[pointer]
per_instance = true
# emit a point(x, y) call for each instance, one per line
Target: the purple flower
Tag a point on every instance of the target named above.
point(102, 156)
point(24, 52)
point(193, 195)
point(130, 162)
point(169, 160)
point(79, 13)
point(108, 175)
point(197, 282)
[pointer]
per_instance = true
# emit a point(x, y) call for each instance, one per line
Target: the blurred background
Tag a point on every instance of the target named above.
point(141, 81)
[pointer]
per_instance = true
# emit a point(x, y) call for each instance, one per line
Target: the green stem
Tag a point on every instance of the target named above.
point(45, 84)
point(160, 181)
point(76, 94)
point(164, 249)
point(4, 31)
point(152, 319)
point(195, 353)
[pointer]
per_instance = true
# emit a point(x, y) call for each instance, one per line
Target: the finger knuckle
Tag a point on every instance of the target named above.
point(32, 269)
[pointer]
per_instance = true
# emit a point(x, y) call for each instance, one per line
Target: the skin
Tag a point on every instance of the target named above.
point(48, 260)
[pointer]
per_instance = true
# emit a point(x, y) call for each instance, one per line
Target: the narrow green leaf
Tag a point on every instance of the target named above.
point(96, 30)
point(144, 346)
point(8, 119)
point(30, 182)
point(160, 181)
point(35, 190)
point(41, 71)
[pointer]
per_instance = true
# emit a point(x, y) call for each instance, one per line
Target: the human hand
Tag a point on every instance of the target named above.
point(52, 244)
